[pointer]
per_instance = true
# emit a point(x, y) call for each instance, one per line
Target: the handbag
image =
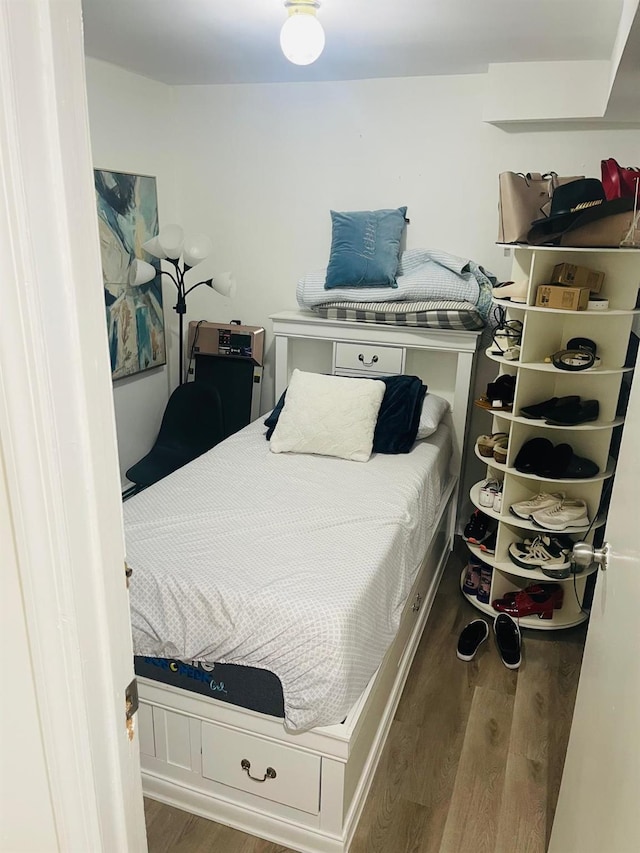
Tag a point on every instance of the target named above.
point(523, 198)
point(619, 181)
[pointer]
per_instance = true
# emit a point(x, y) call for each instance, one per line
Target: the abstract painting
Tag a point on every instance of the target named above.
point(127, 216)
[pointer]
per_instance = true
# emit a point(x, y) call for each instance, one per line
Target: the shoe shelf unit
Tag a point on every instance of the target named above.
point(544, 332)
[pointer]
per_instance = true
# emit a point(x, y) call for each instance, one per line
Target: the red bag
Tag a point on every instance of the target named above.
point(617, 181)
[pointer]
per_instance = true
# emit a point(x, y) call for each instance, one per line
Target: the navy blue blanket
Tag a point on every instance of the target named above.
point(398, 418)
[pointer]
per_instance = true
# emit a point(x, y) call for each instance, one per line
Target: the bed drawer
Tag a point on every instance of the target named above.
point(290, 777)
point(369, 358)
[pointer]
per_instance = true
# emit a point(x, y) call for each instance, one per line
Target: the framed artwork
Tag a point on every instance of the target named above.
point(127, 216)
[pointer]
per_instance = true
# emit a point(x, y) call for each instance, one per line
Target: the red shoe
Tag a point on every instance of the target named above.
point(523, 603)
point(535, 589)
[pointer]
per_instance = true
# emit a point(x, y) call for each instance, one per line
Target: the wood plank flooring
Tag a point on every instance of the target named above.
point(474, 757)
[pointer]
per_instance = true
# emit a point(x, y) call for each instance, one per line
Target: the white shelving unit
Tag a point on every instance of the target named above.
point(545, 331)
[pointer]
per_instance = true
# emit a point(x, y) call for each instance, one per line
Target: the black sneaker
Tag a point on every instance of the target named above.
point(489, 544)
point(508, 640)
point(479, 528)
point(471, 639)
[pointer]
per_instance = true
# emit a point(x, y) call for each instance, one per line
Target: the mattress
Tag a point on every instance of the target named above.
point(292, 563)
point(442, 314)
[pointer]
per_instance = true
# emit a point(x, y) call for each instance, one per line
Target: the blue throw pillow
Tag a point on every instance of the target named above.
point(365, 247)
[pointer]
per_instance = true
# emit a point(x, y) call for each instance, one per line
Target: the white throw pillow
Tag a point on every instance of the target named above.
point(434, 409)
point(328, 415)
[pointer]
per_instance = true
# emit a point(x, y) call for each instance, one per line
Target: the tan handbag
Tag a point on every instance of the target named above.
point(522, 199)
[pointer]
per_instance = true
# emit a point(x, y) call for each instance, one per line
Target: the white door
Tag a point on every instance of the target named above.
point(600, 792)
point(70, 764)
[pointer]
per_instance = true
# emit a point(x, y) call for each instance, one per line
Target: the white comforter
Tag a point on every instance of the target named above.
point(294, 563)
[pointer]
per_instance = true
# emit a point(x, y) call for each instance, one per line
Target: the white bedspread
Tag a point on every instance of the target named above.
point(294, 563)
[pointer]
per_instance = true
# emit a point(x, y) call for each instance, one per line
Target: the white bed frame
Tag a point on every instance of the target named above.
point(315, 783)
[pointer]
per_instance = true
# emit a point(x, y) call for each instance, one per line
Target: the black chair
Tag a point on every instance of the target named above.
point(192, 424)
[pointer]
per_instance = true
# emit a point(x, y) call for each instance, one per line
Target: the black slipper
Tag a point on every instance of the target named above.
point(533, 456)
point(471, 638)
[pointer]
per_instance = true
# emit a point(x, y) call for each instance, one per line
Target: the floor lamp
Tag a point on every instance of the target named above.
point(191, 261)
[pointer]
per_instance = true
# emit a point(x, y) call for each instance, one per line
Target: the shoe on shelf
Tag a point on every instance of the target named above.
point(508, 640)
point(545, 500)
point(489, 544)
point(541, 603)
point(533, 589)
point(471, 580)
point(560, 516)
point(546, 407)
point(500, 450)
point(489, 491)
point(484, 590)
point(486, 443)
point(500, 393)
point(515, 291)
point(533, 456)
point(478, 528)
point(573, 414)
point(471, 638)
point(544, 551)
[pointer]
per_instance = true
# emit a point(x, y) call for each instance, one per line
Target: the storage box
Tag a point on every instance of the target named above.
point(577, 276)
point(559, 296)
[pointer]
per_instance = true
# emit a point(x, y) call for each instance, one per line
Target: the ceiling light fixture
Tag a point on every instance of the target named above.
point(302, 36)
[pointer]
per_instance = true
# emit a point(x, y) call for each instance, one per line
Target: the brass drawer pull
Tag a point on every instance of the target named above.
point(374, 360)
point(246, 765)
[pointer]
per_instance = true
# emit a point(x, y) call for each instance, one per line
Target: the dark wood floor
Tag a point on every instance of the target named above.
point(473, 760)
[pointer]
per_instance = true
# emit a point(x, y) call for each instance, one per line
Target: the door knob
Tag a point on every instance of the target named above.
point(585, 555)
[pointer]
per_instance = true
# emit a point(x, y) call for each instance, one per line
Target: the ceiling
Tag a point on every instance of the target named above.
point(183, 42)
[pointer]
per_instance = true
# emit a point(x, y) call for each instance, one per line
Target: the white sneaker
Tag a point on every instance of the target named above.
point(524, 509)
point(567, 513)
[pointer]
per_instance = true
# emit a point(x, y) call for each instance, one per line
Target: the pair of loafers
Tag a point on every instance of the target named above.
point(539, 456)
point(507, 634)
point(563, 411)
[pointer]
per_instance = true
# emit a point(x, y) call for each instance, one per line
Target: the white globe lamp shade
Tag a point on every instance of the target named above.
point(140, 272)
point(171, 238)
point(153, 247)
point(225, 284)
point(302, 37)
point(196, 248)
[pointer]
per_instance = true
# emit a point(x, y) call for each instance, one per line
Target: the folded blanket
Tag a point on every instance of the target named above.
point(423, 274)
point(398, 418)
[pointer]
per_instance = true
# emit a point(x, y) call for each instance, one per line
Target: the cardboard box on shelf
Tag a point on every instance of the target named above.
point(561, 296)
point(576, 276)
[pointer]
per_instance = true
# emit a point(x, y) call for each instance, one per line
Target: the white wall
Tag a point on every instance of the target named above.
point(258, 167)
point(131, 127)
point(267, 162)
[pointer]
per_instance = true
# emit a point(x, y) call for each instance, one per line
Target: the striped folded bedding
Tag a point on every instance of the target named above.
point(438, 314)
point(423, 275)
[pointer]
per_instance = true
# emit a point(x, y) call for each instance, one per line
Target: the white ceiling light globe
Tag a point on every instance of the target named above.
point(302, 38)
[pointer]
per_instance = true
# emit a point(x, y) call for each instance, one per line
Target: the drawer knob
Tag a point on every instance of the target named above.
point(246, 765)
point(374, 359)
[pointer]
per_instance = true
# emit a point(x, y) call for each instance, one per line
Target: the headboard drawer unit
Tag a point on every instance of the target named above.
point(367, 358)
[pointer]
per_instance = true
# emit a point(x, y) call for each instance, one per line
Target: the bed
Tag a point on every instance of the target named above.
point(325, 590)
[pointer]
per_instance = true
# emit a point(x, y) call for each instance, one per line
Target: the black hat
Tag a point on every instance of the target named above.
point(572, 205)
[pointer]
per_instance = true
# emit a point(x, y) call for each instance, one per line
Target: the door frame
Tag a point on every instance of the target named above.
point(57, 432)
